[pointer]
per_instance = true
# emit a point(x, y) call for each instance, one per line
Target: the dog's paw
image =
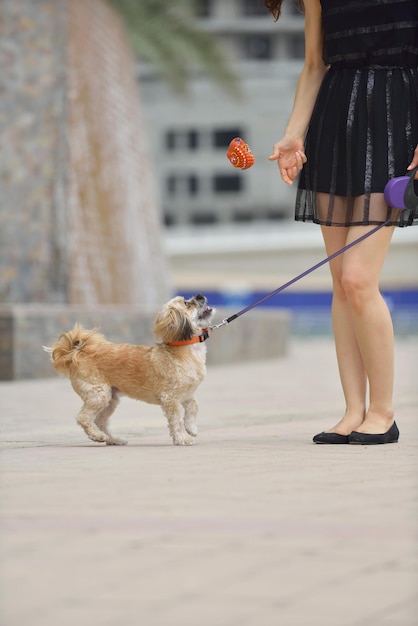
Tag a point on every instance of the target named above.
point(98, 437)
point(183, 441)
point(116, 441)
point(191, 428)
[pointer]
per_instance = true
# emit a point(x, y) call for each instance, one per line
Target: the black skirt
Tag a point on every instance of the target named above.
point(363, 132)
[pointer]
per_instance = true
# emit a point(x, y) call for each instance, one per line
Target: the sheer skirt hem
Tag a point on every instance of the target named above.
point(364, 210)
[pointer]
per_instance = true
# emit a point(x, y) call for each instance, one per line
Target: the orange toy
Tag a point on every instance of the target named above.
point(239, 154)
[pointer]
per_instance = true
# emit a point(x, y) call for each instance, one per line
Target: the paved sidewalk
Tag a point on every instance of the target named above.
point(253, 526)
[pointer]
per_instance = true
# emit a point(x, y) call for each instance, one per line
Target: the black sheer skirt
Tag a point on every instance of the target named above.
point(363, 132)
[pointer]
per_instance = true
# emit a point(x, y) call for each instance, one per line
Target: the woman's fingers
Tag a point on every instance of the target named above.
point(302, 158)
point(414, 162)
point(286, 176)
point(289, 162)
point(275, 154)
point(289, 174)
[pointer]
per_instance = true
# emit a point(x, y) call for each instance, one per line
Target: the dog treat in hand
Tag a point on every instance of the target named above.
point(239, 154)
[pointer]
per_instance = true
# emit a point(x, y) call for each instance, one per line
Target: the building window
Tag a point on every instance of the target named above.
point(231, 183)
point(193, 185)
point(201, 219)
point(182, 186)
point(182, 140)
point(296, 46)
point(258, 47)
point(203, 8)
point(292, 9)
point(169, 219)
point(243, 216)
point(251, 8)
point(170, 140)
point(223, 137)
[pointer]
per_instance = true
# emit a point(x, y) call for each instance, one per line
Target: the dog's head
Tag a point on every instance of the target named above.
point(181, 319)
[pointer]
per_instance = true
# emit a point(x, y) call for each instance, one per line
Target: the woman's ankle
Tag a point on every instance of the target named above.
point(377, 421)
point(351, 421)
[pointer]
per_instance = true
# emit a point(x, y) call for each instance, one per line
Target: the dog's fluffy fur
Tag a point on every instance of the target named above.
point(101, 371)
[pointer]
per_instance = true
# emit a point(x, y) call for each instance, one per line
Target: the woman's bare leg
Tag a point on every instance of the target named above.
point(361, 269)
point(362, 328)
point(350, 363)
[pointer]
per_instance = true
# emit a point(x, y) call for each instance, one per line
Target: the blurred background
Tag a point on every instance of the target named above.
point(115, 120)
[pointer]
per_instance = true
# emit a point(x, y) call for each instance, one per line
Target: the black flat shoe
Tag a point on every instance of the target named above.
point(391, 436)
point(332, 438)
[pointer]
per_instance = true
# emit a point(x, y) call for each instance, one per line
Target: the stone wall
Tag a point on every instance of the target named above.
point(24, 329)
point(29, 327)
point(79, 221)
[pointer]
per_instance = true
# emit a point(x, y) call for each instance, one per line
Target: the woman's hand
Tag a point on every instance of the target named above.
point(414, 163)
point(290, 158)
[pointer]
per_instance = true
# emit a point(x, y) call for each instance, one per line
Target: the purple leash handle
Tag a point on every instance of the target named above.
point(305, 273)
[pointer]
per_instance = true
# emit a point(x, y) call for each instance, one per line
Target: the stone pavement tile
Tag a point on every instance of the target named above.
point(253, 525)
point(222, 583)
point(112, 537)
point(403, 614)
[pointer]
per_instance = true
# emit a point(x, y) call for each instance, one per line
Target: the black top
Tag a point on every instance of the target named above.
point(362, 33)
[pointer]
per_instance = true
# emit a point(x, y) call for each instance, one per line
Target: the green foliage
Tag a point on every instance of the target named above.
point(165, 34)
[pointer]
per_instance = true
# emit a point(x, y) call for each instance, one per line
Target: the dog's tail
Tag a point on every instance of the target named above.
point(68, 348)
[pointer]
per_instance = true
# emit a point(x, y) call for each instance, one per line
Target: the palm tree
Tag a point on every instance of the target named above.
point(164, 33)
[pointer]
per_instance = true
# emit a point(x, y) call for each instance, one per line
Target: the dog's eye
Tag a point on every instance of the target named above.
point(187, 304)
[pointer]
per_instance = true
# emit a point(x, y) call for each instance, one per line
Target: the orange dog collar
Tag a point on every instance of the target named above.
point(189, 342)
point(239, 154)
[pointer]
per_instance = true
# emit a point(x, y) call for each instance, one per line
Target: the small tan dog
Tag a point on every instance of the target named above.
point(167, 373)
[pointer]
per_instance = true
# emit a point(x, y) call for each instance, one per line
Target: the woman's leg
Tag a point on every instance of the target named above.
point(371, 319)
point(362, 328)
point(349, 358)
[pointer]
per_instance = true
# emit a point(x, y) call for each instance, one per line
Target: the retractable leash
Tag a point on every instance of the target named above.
point(294, 280)
point(399, 193)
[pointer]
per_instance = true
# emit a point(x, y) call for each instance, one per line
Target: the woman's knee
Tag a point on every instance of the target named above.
point(356, 287)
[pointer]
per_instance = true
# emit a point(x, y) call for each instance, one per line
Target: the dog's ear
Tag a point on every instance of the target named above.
point(171, 324)
point(186, 329)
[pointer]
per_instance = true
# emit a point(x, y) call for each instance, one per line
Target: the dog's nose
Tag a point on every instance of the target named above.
point(200, 297)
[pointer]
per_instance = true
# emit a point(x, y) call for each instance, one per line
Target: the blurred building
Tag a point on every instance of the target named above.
point(189, 137)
